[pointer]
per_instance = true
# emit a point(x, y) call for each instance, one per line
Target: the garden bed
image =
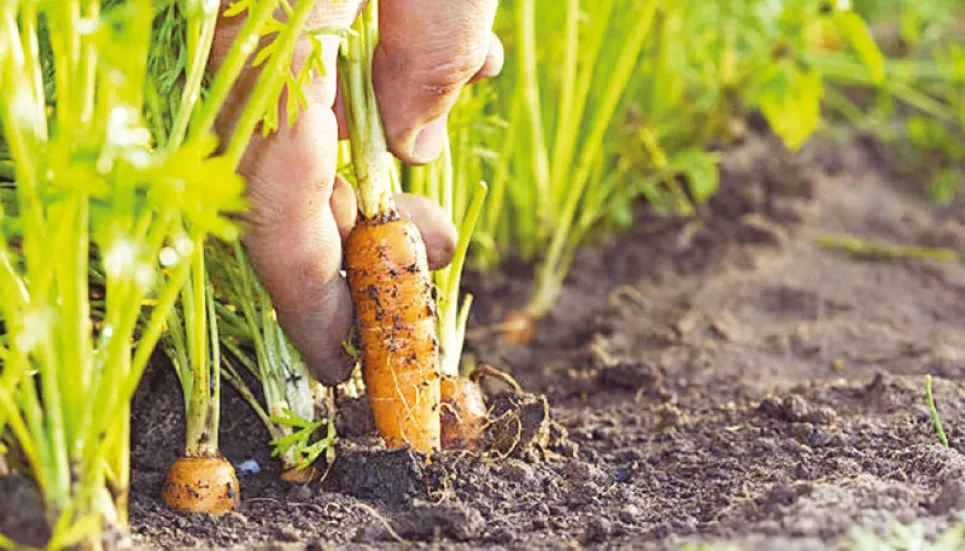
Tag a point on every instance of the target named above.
point(725, 380)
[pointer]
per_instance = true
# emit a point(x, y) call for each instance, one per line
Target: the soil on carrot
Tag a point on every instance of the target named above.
point(725, 379)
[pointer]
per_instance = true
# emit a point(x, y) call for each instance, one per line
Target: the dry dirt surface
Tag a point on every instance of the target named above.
point(724, 379)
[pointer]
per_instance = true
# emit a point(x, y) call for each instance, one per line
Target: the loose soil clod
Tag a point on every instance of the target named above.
point(392, 477)
point(520, 426)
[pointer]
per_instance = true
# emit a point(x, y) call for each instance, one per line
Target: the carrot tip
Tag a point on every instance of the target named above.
point(518, 328)
point(299, 476)
point(463, 413)
point(201, 485)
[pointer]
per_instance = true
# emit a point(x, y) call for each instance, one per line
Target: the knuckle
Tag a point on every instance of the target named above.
point(447, 73)
point(339, 13)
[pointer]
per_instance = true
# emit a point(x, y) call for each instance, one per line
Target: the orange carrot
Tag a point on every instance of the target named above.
point(201, 485)
point(299, 476)
point(518, 328)
point(463, 415)
point(388, 275)
point(387, 269)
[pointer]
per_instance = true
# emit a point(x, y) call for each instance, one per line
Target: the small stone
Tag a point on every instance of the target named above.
point(951, 498)
point(802, 430)
point(781, 495)
point(249, 467)
point(287, 532)
point(580, 472)
point(686, 446)
point(629, 513)
point(623, 475)
point(796, 407)
point(600, 433)
point(300, 492)
point(767, 445)
point(757, 229)
point(598, 529)
point(824, 416)
point(518, 471)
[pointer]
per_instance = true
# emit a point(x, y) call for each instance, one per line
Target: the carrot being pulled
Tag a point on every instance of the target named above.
point(387, 269)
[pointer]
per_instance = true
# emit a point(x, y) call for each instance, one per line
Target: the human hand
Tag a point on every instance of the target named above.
point(301, 212)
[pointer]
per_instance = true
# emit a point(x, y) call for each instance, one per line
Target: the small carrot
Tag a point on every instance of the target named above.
point(463, 413)
point(200, 480)
point(387, 269)
point(518, 328)
point(201, 485)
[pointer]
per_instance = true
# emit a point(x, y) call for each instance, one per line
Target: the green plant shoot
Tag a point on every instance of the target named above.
point(91, 189)
point(288, 409)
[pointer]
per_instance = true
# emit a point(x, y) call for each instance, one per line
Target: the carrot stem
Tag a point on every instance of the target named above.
point(370, 154)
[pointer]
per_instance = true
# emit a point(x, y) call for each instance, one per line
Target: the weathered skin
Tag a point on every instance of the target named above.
point(388, 275)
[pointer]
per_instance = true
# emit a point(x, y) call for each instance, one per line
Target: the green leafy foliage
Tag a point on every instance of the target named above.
point(944, 149)
point(92, 202)
point(116, 181)
point(607, 103)
point(250, 326)
point(790, 99)
point(293, 81)
point(300, 443)
point(923, 89)
point(906, 537)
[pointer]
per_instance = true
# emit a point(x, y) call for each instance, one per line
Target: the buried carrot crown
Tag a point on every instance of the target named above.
point(387, 269)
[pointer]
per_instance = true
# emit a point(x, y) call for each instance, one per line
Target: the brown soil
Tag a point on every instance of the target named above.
point(722, 380)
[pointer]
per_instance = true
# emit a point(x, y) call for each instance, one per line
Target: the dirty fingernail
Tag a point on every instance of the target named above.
point(429, 141)
point(332, 371)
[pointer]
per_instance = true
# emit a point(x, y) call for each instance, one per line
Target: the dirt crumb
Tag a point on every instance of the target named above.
point(394, 477)
point(795, 409)
point(22, 515)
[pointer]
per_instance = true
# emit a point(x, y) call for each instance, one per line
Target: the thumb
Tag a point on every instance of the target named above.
point(428, 50)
